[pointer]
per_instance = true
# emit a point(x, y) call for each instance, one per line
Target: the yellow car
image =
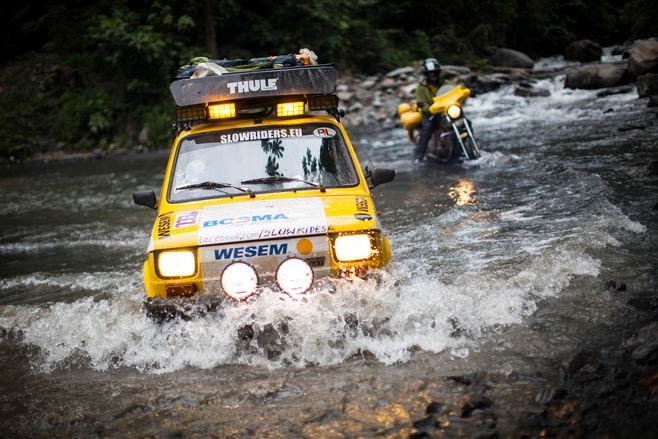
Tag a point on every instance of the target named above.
point(262, 188)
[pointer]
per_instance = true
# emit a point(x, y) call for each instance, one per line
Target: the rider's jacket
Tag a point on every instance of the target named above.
point(425, 93)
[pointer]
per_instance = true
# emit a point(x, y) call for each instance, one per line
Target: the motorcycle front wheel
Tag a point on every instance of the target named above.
point(471, 150)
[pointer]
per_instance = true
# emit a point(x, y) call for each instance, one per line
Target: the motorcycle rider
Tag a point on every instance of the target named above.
point(425, 91)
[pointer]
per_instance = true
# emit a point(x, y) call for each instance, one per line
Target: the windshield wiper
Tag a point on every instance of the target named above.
point(279, 179)
point(216, 185)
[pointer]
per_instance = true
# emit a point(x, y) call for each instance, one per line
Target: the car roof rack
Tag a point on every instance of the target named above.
point(319, 79)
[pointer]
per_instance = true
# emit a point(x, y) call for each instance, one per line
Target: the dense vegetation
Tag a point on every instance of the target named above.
point(76, 75)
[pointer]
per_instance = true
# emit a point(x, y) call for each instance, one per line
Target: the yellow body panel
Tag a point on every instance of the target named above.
point(456, 95)
point(347, 210)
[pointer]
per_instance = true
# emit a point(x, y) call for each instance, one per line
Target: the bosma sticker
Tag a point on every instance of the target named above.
point(258, 220)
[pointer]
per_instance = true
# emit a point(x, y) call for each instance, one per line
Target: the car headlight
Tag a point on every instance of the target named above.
point(176, 263)
point(239, 280)
point(352, 247)
point(454, 111)
point(294, 276)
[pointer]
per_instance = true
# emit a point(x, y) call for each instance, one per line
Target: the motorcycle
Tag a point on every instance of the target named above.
point(454, 136)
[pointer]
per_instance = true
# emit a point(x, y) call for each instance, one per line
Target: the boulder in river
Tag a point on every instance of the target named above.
point(647, 85)
point(583, 51)
point(530, 91)
point(511, 58)
point(594, 76)
point(643, 57)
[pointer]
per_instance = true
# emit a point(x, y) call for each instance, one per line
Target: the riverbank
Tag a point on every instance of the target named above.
point(607, 390)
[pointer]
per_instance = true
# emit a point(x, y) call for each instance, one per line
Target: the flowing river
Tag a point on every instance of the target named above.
point(502, 269)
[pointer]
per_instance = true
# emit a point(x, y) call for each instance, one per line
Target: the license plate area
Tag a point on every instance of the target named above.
point(264, 256)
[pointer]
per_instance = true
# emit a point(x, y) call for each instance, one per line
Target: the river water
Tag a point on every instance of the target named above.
point(500, 267)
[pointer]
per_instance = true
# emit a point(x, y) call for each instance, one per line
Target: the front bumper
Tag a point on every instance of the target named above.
point(264, 257)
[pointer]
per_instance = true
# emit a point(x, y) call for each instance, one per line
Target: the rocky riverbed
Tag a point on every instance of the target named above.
point(608, 390)
point(371, 101)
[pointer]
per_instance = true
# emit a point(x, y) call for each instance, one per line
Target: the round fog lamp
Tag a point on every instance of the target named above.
point(454, 111)
point(294, 276)
point(239, 280)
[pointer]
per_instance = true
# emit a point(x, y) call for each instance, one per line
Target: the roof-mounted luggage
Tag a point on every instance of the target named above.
point(267, 83)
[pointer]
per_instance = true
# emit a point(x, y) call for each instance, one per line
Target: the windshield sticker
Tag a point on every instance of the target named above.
point(324, 132)
point(246, 136)
point(261, 220)
point(186, 219)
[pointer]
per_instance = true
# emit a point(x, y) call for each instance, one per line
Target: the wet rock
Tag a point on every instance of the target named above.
point(583, 360)
point(594, 76)
point(184, 308)
point(653, 101)
point(644, 344)
point(246, 332)
point(531, 91)
point(616, 285)
point(652, 168)
point(643, 57)
point(345, 96)
point(465, 380)
point(424, 423)
point(583, 51)
point(477, 402)
point(647, 85)
point(486, 83)
point(270, 340)
point(618, 50)
point(433, 408)
point(457, 330)
point(420, 435)
point(407, 90)
point(451, 70)
point(510, 74)
point(615, 91)
point(549, 395)
point(631, 127)
point(402, 71)
point(472, 417)
point(511, 58)
point(369, 83)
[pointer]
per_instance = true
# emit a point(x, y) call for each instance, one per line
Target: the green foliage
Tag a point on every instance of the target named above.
point(23, 104)
point(100, 74)
point(641, 17)
point(79, 110)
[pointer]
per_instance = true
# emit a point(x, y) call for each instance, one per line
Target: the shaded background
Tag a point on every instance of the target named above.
point(76, 76)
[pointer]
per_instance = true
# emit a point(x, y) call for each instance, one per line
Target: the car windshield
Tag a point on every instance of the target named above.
point(263, 159)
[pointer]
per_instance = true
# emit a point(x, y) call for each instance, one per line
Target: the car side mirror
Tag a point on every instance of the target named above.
point(381, 176)
point(145, 198)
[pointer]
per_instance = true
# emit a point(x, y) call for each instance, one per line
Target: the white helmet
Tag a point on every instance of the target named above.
point(431, 65)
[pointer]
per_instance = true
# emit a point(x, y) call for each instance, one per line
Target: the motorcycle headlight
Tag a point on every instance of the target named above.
point(352, 247)
point(294, 276)
point(176, 263)
point(239, 280)
point(454, 111)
